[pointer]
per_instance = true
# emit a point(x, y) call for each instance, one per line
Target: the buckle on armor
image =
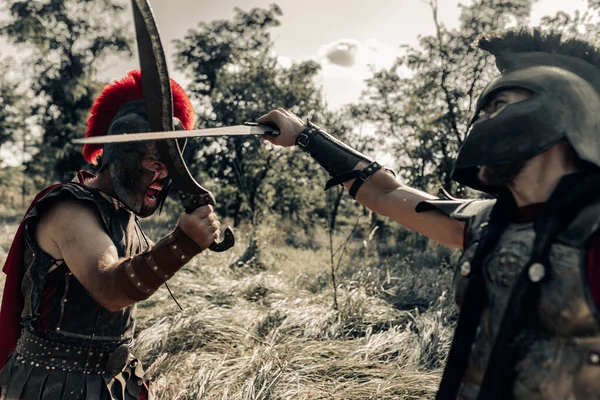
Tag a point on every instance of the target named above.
point(302, 140)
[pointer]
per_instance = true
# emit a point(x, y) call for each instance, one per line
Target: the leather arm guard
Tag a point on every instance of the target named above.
point(336, 157)
point(142, 274)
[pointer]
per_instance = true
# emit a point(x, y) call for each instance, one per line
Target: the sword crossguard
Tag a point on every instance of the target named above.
point(192, 201)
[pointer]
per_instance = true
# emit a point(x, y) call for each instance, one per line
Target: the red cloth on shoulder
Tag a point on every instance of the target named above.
point(12, 298)
point(528, 213)
point(593, 269)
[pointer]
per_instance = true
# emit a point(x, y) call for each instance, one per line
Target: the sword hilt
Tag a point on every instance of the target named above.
point(192, 201)
point(275, 132)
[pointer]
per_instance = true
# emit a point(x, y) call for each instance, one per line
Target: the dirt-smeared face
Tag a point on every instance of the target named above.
point(160, 181)
point(138, 177)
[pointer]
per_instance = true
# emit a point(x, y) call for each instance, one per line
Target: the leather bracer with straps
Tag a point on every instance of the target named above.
point(144, 273)
point(338, 159)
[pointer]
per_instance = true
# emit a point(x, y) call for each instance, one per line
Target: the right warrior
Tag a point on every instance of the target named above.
point(528, 281)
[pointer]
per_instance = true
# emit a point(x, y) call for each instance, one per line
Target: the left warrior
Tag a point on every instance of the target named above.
point(80, 262)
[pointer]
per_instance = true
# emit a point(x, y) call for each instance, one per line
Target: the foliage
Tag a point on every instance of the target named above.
point(13, 104)
point(423, 103)
point(236, 78)
point(66, 41)
point(16, 189)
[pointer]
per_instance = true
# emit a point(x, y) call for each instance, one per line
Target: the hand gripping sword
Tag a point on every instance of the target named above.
point(156, 87)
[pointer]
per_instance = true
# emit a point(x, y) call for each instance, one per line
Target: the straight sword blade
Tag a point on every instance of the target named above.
point(235, 130)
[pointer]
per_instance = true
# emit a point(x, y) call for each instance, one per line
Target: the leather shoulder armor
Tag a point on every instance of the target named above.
point(582, 227)
point(79, 192)
point(462, 210)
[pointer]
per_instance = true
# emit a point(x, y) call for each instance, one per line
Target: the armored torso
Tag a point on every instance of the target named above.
point(559, 350)
point(57, 306)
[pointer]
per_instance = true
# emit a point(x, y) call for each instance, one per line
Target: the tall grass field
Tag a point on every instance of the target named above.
point(273, 327)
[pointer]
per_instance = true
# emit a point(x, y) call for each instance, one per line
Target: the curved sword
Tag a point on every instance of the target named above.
point(159, 106)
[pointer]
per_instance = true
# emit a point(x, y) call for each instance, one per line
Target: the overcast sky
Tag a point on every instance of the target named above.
point(345, 36)
point(351, 32)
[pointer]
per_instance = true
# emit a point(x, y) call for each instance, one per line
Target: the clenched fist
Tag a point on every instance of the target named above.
point(201, 226)
point(289, 126)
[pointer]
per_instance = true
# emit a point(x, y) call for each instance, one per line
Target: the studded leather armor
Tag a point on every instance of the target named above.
point(70, 343)
point(559, 353)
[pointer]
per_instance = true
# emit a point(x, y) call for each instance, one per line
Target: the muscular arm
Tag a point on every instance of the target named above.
point(385, 195)
point(71, 230)
point(382, 193)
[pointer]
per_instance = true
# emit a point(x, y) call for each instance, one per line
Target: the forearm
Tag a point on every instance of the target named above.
point(130, 280)
point(386, 196)
point(380, 191)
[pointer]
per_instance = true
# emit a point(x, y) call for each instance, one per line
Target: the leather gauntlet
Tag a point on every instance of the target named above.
point(144, 273)
point(338, 159)
point(333, 155)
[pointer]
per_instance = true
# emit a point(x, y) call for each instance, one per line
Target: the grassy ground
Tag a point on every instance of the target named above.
point(270, 331)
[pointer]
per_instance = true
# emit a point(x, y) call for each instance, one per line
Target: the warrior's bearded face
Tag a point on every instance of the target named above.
point(501, 175)
point(160, 181)
point(138, 177)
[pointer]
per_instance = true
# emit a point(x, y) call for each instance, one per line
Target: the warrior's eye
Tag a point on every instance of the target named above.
point(494, 106)
point(490, 108)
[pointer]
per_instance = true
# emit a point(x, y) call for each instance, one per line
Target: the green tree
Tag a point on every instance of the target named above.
point(423, 104)
point(236, 77)
point(65, 40)
point(581, 24)
point(13, 104)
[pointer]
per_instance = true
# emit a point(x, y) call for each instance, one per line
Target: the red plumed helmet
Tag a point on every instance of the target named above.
point(116, 95)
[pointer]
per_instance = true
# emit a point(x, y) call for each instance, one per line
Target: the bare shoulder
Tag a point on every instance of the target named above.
point(65, 223)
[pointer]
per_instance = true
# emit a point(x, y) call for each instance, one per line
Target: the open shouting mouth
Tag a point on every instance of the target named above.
point(152, 193)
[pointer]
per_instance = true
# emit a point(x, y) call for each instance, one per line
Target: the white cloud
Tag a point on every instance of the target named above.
point(352, 58)
point(346, 63)
point(285, 62)
point(342, 52)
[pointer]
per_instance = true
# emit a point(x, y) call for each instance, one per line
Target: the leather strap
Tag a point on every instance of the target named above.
point(473, 303)
point(360, 176)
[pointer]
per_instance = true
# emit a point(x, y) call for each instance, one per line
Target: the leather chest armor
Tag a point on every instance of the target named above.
point(559, 350)
point(74, 316)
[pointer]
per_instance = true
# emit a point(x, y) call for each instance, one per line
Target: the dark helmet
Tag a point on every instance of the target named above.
point(120, 109)
point(564, 80)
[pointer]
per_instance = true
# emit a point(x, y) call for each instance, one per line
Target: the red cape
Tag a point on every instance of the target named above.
point(12, 298)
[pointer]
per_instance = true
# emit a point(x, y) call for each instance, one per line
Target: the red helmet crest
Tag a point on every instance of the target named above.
point(116, 95)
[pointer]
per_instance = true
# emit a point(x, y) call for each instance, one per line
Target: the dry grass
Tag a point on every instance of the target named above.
point(273, 333)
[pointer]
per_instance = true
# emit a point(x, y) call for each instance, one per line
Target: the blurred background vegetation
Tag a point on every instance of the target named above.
point(320, 298)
